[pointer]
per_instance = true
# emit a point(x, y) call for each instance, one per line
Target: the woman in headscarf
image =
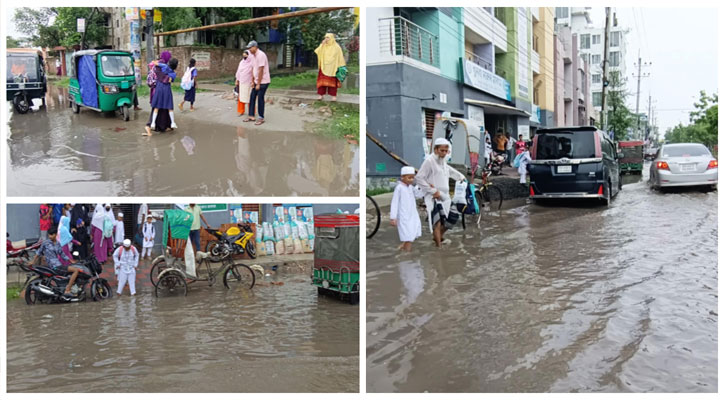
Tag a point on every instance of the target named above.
point(65, 238)
point(244, 82)
point(329, 59)
point(101, 245)
point(163, 118)
point(80, 235)
point(433, 179)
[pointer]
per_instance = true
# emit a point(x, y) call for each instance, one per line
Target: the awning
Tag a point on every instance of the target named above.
point(495, 108)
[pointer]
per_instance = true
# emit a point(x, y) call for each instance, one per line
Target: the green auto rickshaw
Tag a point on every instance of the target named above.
point(102, 80)
point(336, 271)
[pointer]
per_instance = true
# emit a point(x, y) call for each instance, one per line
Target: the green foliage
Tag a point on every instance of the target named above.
point(11, 43)
point(309, 30)
point(343, 124)
point(619, 118)
point(35, 23)
point(703, 123)
point(13, 292)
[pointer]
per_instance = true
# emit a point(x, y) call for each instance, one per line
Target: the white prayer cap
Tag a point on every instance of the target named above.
point(441, 142)
point(127, 243)
point(407, 171)
point(120, 214)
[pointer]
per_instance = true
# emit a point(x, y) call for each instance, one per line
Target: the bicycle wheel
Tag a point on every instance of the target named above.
point(494, 195)
point(156, 270)
point(372, 217)
point(171, 284)
point(239, 276)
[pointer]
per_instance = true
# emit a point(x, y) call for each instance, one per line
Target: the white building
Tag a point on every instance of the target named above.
point(591, 47)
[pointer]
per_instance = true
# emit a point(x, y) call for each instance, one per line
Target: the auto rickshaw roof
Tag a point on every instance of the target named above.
point(24, 51)
point(104, 51)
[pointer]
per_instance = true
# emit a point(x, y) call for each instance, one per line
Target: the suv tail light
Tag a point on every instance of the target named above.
point(601, 190)
point(531, 191)
point(713, 164)
point(662, 165)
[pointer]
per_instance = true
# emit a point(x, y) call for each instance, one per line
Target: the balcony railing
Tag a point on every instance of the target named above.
point(400, 37)
point(476, 59)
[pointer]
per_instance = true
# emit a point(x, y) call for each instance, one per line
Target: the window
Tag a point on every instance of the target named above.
point(586, 57)
point(597, 78)
point(584, 42)
point(562, 12)
point(535, 43)
point(572, 145)
point(615, 39)
point(597, 99)
point(117, 23)
point(596, 59)
point(536, 96)
point(614, 59)
point(596, 39)
point(430, 121)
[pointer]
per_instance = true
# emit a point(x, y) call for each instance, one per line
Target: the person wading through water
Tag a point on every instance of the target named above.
point(433, 179)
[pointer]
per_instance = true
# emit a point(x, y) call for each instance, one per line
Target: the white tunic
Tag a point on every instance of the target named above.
point(436, 172)
point(125, 260)
point(149, 234)
point(118, 232)
point(403, 209)
point(523, 162)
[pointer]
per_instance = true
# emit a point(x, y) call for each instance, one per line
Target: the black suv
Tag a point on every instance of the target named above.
point(574, 162)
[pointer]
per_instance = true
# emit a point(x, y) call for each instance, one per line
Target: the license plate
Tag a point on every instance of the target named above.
point(21, 85)
point(563, 169)
point(688, 167)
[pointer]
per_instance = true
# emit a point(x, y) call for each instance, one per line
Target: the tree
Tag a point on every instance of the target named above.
point(703, 123)
point(619, 118)
point(11, 43)
point(309, 30)
point(36, 24)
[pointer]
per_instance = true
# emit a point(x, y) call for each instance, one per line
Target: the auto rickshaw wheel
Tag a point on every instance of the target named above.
point(76, 108)
point(126, 111)
point(21, 103)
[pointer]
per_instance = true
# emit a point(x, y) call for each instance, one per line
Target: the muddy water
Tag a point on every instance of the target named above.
point(57, 152)
point(272, 339)
point(552, 299)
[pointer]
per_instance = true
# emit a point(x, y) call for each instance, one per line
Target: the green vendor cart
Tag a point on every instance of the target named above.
point(336, 271)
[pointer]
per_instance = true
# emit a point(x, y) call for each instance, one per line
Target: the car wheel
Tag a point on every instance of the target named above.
point(607, 195)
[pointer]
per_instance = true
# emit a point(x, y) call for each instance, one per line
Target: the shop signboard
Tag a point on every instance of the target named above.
point(480, 78)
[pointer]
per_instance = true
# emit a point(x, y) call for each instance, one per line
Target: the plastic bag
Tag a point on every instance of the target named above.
point(279, 247)
point(289, 245)
point(298, 246)
point(269, 247)
point(459, 196)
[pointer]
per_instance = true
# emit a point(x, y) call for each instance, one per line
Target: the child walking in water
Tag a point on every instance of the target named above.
point(163, 98)
point(403, 212)
point(188, 83)
point(149, 233)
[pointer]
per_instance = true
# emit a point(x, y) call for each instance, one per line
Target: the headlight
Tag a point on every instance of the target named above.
point(109, 89)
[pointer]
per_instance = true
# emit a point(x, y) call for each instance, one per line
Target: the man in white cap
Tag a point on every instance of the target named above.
point(433, 179)
point(119, 233)
point(125, 259)
point(403, 212)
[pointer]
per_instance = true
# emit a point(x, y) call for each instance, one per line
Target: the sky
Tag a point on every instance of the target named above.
point(681, 44)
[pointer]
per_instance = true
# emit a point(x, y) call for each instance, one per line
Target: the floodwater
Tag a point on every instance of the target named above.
point(269, 339)
point(578, 298)
point(56, 152)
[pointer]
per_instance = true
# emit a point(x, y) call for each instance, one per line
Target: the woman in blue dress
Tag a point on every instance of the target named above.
point(162, 98)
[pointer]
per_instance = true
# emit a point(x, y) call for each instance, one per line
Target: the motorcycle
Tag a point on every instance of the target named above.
point(236, 240)
point(497, 164)
point(18, 252)
point(44, 286)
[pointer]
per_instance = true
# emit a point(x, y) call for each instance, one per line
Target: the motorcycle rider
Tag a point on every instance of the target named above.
point(53, 253)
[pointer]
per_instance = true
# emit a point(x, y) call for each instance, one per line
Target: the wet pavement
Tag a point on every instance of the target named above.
point(270, 339)
point(578, 298)
point(56, 152)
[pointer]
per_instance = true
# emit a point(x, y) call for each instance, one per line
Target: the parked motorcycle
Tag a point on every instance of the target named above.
point(19, 252)
point(236, 240)
point(497, 164)
point(45, 287)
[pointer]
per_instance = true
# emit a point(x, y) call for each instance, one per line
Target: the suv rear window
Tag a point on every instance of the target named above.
point(685, 151)
point(553, 146)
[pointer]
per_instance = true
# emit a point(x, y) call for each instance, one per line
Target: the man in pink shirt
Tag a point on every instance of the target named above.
point(260, 72)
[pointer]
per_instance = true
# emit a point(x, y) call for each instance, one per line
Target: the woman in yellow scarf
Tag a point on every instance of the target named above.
point(329, 59)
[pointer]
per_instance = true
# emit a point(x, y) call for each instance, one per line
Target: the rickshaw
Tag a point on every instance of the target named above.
point(172, 272)
point(336, 271)
point(102, 80)
point(25, 78)
point(633, 159)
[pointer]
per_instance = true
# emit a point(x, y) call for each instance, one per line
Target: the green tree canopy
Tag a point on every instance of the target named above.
point(11, 42)
point(703, 123)
point(311, 29)
point(36, 24)
point(619, 118)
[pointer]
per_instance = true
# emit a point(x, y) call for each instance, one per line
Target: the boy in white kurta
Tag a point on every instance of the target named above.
point(403, 212)
point(125, 259)
point(119, 233)
point(149, 234)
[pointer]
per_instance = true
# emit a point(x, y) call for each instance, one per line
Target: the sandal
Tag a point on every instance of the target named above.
point(248, 120)
point(259, 122)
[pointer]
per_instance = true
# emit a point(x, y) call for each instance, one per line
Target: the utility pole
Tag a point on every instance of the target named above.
point(149, 36)
point(639, 77)
point(605, 81)
point(649, 117)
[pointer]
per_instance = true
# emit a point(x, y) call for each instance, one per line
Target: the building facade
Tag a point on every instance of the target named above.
point(475, 63)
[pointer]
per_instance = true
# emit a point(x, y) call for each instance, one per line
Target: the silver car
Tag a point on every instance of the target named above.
point(683, 164)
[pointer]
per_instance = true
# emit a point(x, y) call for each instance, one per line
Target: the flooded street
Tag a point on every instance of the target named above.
point(59, 152)
point(270, 339)
point(538, 298)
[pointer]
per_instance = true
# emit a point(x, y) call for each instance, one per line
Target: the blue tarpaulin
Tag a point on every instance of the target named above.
point(87, 81)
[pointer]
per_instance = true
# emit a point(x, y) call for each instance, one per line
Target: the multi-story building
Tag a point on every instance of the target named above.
point(542, 65)
point(591, 46)
point(474, 63)
point(571, 73)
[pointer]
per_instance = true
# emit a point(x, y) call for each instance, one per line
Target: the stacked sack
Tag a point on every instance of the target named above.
point(268, 238)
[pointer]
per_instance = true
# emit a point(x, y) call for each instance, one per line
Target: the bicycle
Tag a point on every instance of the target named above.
point(372, 214)
point(488, 195)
